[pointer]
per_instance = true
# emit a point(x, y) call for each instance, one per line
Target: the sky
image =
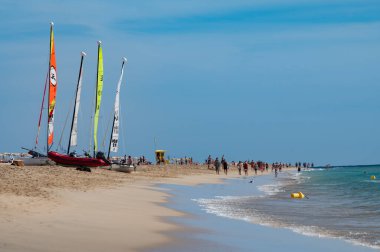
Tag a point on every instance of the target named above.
point(275, 80)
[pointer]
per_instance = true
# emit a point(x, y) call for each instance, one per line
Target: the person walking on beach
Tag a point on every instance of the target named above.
point(239, 167)
point(129, 160)
point(275, 171)
point(245, 166)
point(225, 166)
point(208, 161)
point(252, 164)
point(217, 165)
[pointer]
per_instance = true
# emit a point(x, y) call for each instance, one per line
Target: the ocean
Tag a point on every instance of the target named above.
point(342, 202)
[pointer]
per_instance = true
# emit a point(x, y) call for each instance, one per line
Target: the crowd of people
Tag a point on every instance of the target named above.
point(304, 165)
point(128, 160)
point(254, 165)
point(183, 161)
point(243, 167)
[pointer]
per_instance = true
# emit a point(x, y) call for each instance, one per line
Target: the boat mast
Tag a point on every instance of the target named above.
point(42, 107)
point(111, 138)
point(73, 140)
point(98, 94)
point(113, 145)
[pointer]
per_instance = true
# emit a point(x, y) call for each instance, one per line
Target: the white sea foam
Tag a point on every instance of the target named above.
point(308, 231)
point(315, 169)
point(270, 189)
point(372, 181)
point(212, 206)
point(234, 197)
point(279, 185)
point(299, 177)
point(225, 206)
point(314, 231)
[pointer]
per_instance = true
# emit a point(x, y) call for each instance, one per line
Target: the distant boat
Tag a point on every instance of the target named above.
point(70, 159)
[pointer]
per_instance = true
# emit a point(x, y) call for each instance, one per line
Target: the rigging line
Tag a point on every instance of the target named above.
point(105, 134)
point(92, 123)
point(64, 126)
point(122, 131)
point(42, 107)
point(100, 128)
point(76, 110)
point(81, 119)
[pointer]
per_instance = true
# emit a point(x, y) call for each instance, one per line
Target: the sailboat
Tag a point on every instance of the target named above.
point(114, 139)
point(70, 159)
point(37, 157)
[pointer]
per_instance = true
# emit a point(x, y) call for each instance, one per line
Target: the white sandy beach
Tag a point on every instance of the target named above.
point(60, 209)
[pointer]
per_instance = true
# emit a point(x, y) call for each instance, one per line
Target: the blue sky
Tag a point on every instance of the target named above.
point(273, 80)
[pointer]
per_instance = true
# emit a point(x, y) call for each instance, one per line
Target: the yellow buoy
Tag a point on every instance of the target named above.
point(297, 195)
point(373, 177)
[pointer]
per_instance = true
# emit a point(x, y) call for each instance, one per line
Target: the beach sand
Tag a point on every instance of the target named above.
point(55, 208)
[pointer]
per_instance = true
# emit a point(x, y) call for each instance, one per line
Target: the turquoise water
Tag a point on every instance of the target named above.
point(343, 202)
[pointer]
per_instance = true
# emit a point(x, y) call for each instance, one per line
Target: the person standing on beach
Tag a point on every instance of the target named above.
point(208, 161)
point(245, 166)
point(225, 166)
point(252, 164)
point(129, 160)
point(217, 165)
point(239, 167)
point(275, 171)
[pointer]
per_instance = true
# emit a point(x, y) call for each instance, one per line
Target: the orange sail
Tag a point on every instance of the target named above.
point(52, 88)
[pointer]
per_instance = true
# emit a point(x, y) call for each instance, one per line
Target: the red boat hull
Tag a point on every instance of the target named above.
point(76, 161)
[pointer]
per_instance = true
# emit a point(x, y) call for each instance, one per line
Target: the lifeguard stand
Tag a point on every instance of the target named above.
point(160, 156)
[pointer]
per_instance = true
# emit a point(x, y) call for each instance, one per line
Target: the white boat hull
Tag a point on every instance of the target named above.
point(123, 168)
point(37, 161)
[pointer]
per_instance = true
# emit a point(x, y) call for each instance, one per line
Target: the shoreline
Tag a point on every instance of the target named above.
point(210, 231)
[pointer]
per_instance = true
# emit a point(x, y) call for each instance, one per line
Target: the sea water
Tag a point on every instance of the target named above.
point(342, 202)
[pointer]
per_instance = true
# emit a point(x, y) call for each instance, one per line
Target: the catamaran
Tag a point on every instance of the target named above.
point(114, 140)
point(70, 159)
point(37, 157)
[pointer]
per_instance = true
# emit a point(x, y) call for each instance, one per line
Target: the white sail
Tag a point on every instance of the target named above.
point(74, 128)
point(115, 129)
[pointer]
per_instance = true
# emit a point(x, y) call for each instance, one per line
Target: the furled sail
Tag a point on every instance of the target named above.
point(52, 88)
point(115, 127)
point(74, 123)
point(99, 90)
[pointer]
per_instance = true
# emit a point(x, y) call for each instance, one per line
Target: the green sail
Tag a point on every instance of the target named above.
point(99, 90)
